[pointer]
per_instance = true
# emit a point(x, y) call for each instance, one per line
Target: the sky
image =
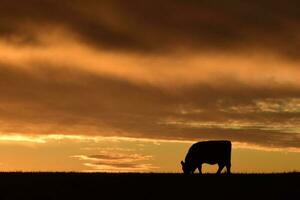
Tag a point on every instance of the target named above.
point(128, 86)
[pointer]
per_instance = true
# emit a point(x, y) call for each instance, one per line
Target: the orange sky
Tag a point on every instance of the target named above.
point(108, 86)
point(117, 154)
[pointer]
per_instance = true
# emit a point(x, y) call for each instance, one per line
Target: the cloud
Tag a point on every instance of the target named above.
point(62, 101)
point(142, 27)
point(194, 70)
point(104, 167)
point(116, 161)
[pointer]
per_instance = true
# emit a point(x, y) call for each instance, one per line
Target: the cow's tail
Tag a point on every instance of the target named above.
point(229, 152)
point(228, 165)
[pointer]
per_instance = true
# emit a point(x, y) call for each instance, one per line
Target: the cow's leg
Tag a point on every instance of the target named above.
point(228, 168)
point(200, 169)
point(221, 166)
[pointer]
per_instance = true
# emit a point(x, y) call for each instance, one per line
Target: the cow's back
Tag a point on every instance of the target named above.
point(211, 152)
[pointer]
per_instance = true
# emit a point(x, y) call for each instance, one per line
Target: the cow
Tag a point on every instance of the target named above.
point(211, 152)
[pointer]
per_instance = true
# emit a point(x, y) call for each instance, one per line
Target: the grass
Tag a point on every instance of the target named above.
point(166, 186)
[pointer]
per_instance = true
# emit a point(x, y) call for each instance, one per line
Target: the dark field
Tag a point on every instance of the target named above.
point(44, 186)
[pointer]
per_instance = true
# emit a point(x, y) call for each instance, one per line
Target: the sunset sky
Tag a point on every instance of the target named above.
point(114, 85)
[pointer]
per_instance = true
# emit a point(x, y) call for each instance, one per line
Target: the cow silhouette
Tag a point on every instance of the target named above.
point(211, 152)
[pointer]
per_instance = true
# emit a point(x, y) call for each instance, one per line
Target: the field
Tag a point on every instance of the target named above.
point(44, 186)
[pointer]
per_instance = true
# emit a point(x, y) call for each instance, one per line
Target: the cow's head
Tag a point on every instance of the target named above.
point(186, 168)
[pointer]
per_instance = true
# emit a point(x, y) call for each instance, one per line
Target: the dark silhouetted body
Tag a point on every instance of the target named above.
point(211, 152)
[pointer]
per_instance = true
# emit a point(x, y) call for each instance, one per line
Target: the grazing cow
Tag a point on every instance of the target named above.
point(211, 152)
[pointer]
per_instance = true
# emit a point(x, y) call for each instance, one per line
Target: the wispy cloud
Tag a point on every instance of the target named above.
point(116, 161)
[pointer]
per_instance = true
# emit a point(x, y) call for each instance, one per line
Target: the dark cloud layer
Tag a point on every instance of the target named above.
point(156, 26)
point(42, 92)
point(48, 100)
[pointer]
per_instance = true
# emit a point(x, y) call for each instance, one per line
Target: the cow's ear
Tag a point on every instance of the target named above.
point(182, 163)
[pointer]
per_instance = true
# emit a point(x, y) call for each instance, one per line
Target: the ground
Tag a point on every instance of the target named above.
point(45, 186)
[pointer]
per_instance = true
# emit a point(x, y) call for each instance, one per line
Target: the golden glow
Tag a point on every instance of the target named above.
point(42, 139)
point(189, 68)
point(120, 154)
